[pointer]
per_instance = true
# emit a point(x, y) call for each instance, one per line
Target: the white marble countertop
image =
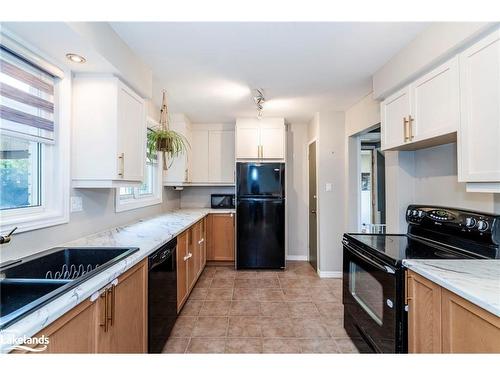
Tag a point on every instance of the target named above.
point(147, 234)
point(477, 281)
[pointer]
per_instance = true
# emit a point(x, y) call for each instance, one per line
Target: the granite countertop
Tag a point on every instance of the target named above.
point(147, 234)
point(477, 281)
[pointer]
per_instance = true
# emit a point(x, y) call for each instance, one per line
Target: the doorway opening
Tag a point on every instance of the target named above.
point(372, 183)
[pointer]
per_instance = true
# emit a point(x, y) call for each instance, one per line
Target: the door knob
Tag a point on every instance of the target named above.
point(313, 211)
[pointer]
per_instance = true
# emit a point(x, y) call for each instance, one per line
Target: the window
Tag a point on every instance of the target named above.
point(34, 139)
point(149, 193)
point(21, 173)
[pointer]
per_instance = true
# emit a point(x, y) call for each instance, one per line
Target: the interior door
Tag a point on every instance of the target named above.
point(313, 203)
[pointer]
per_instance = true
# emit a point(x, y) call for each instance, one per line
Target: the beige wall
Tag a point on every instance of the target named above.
point(297, 191)
point(362, 115)
point(98, 214)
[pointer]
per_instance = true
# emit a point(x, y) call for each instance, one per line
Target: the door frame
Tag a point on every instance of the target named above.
point(317, 204)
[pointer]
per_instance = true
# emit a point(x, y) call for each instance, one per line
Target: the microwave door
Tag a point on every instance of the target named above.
point(370, 298)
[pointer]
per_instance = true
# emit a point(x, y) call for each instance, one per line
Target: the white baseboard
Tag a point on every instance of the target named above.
point(330, 274)
point(297, 257)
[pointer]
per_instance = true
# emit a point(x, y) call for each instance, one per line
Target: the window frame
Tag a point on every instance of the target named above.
point(135, 200)
point(54, 208)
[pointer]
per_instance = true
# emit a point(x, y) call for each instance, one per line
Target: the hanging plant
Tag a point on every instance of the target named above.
point(164, 140)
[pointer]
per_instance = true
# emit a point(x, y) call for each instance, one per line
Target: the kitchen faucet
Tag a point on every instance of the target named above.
point(6, 239)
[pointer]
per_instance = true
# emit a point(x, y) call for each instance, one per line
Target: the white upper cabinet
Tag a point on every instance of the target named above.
point(425, 113)
point(394, 114)
point(178, 171)
point(221, 156)
point(260, 139)
point(108, 134)
point(479, 131)
point(199, 156)
point(247, 139)
point(210, 158)
point(436, 101)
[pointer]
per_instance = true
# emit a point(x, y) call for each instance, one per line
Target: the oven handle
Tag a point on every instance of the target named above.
point(375, 264)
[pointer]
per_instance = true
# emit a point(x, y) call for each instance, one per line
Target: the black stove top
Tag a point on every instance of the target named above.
point(396, 247)
point(436, 233)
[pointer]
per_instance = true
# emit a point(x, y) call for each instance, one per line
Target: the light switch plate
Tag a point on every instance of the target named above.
point(328, 186)
point(76, 204)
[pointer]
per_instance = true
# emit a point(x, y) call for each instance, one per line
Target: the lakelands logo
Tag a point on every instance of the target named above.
point(24, 342)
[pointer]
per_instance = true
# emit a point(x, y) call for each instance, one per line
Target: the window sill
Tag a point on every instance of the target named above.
point(35, 220)
point(133, 204)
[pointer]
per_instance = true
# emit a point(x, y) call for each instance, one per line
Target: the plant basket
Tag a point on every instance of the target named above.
point(164, 145)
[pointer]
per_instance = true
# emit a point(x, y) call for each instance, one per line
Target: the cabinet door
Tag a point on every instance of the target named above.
point(204, 243)
point(197, 243)
point(131, 130)
point(479, 132)
point(126, 313)
point(248, 141)
point(424, 315)
point(74, 332)
point(182, 281)
point(394, 110)
point(436, 102)
point(221, 156)
point(192, 272)
point(272, 140)
point(199, 156)
point(221, 237)
point(467, 328)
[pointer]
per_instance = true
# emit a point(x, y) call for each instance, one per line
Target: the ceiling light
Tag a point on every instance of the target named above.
point(73, 57)
point(259, 100)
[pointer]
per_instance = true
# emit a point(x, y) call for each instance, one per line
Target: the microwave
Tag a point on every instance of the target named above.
point(222, 201)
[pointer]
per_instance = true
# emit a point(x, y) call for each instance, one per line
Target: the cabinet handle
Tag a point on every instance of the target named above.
point(201, 241)
point(410, 127)
point(104, 321)
point(110, 299)
point(186, 257)
point(405, 128)
point(121, 159)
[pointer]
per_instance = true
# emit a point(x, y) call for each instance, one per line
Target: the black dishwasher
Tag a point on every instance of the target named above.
point(162, 295)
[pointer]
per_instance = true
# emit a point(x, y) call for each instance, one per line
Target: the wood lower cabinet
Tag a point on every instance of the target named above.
point(468, 328)
point(191, 259)
point(182, 256)
point(439, 321)
point(424, 315)
point(114, 323)
point(123, 313)
point(220, 237)
point(74, 332)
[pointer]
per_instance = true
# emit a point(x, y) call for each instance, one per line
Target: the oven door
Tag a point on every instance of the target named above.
point(370, 298)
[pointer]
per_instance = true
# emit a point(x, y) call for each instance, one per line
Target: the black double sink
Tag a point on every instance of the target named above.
point(29, 283)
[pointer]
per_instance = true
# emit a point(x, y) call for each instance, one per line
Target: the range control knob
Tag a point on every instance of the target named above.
point(414, 213)
point(420, 214)
point(470, 222)
point(482, 225)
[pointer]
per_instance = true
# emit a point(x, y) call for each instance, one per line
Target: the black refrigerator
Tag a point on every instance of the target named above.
point(260, 215)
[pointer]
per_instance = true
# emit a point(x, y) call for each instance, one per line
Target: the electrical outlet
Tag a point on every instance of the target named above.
point(328, 186)
point(76, 204)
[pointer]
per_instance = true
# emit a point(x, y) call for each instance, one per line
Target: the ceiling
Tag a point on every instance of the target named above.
point(209, 69)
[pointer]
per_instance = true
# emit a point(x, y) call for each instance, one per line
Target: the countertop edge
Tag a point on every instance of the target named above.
point(416, 267)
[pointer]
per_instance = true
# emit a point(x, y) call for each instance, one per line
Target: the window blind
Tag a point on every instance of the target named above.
point(26, 97)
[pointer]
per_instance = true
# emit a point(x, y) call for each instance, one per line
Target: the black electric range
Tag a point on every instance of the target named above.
point(373, 274)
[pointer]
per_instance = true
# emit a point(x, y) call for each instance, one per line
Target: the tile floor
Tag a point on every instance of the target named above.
point(291, 311)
